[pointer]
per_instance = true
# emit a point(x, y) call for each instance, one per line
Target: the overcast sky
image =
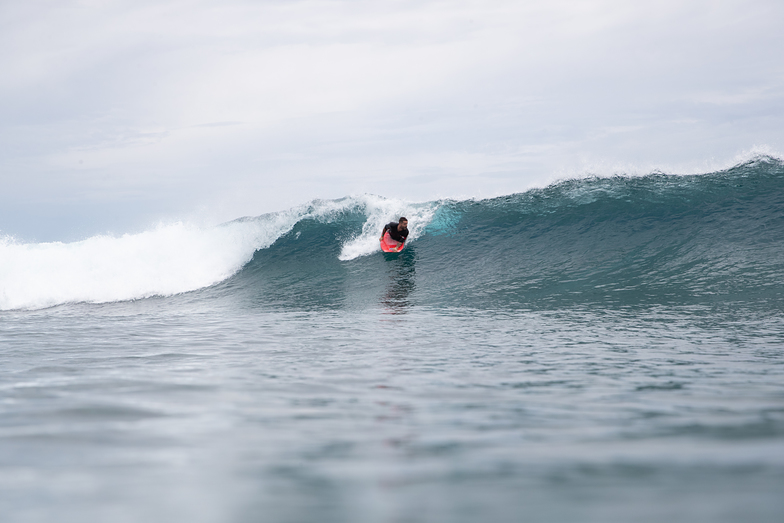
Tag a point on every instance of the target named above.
point(114, 115)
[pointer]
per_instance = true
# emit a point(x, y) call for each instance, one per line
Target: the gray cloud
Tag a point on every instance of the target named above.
point(115, 114)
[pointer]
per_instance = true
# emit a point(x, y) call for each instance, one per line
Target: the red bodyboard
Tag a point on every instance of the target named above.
point(390, 245)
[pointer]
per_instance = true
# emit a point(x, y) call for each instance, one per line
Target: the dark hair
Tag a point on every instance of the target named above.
point(402, 219)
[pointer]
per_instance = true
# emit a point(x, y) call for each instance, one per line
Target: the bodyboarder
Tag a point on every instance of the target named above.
point(395, 234)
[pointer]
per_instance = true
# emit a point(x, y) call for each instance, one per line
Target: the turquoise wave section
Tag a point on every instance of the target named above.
point(709, 240)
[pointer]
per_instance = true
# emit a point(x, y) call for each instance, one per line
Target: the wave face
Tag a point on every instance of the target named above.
point(656, 239)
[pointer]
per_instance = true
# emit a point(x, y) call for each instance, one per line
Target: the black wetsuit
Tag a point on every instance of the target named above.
point(398, 236)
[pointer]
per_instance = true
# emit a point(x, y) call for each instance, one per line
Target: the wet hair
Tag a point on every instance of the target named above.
point(402, 219)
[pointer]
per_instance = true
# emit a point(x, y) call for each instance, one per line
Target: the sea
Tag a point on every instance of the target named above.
point(603, 349)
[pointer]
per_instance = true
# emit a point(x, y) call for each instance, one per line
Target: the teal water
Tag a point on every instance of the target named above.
point(598, 350)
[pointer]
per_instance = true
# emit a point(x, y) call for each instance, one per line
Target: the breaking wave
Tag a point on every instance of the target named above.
point(656, 239)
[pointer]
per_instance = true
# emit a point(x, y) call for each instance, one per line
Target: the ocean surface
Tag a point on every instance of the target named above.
point(599, 350)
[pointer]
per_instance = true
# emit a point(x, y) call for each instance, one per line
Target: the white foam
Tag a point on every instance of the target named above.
point(167, 260)
point(173, 258)
point(381, 211)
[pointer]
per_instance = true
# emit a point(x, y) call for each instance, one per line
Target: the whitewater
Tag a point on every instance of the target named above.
point(600, 349)
point(173, 258)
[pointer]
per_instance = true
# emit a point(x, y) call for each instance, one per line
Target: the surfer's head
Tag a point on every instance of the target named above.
point(402, 222)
